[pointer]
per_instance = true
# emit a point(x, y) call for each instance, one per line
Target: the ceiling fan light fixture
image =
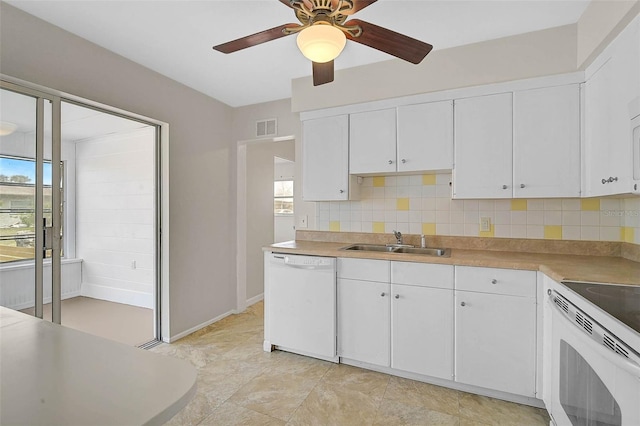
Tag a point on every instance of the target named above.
point(321, 42)
point(7, 128)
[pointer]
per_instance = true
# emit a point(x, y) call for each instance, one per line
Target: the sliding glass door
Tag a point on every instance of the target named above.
point(30, 201)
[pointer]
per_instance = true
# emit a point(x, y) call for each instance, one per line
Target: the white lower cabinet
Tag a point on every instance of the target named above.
point(403, 320)
point(495, 332)
point(363, 321)
point(422, 330)
point(478, 329)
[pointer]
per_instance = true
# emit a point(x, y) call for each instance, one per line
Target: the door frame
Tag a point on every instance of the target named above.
point(241, 217)
point(161, 161)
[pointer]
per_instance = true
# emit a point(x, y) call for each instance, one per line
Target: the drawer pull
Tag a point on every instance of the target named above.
point(382, 294)
point(397, 296)
point(463, 304)
point(494, 281)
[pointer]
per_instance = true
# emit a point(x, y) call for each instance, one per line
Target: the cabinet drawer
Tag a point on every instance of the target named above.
point(363, 269)
point(497, 281)
point(422, 274)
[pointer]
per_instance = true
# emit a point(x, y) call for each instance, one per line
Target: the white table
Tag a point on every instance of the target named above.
point(54, 375)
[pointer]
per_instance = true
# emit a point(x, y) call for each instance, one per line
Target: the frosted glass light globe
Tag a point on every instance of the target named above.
point(321, 43)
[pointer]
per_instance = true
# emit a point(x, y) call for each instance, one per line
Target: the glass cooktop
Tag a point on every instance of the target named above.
point(620, 301)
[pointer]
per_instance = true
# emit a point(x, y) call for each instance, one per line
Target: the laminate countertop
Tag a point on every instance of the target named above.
point(559, 267)
point(54, 375)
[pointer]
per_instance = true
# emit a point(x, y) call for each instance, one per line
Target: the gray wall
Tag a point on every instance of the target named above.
point(260, 172)
point(202, 274)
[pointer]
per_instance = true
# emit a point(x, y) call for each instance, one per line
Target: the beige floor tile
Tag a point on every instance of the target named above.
point(278, 392)
point(229, 414)
point(328, 404)
point(393, 412)
point(240, 384)
point(497, 412)
point(367, 382)
point(423, 395)
point(196, 410)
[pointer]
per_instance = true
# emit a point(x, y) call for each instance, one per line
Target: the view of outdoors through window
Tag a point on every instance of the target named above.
point(283, 197)
point(17, 207)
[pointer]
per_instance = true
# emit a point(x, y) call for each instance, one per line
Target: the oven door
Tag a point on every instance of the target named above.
point(590, 385)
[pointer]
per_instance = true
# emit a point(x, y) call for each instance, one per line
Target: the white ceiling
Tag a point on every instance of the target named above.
point(175, 37)
point(77, 122)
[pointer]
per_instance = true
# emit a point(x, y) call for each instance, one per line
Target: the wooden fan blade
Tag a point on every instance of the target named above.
point(322, 73)
point(391, 42)
point(254, 39)
point(359, 5)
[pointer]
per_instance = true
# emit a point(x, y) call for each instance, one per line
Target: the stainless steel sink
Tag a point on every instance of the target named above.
point(395, 248)
point(427, 251)
point(370, 247)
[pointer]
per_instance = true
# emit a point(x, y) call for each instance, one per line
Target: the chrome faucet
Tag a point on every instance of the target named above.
point(398, 236)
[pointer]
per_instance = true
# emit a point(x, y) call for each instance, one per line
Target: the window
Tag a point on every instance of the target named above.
point(18, 207)
point(283, 197)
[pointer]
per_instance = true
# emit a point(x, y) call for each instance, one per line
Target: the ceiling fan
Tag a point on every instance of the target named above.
point(324, 30)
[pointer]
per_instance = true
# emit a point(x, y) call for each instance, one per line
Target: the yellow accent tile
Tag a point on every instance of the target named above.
point(378, 227)
point(519, 205)
point(428, 179)
point(488, 234)
point(378, 181)
point(429, 228)
point(402, 204)
point(590, 204)
point(334, 226)
point(627, 234)
point(552, 232)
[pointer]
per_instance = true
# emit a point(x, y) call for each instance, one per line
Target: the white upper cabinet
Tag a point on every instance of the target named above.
point(372, 142)
point(325, 159)
point(425, 137)
point(612, 90)
point(483, 147)
point(546, 144)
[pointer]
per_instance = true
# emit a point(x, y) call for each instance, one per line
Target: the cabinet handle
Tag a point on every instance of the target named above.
point(342, 191)
point(494, 281)
point(522, 185)
point(390, 161)
point(610, 180)
point(635, 186)
point(397, 296)
point(382, 294)
point(404, 161)
point(463, 304)
point(504, 186)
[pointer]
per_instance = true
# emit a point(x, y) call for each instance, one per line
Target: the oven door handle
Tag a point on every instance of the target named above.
point(618, 360)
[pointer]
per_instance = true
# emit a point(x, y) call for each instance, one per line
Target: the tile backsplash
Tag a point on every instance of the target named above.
point(422, 204)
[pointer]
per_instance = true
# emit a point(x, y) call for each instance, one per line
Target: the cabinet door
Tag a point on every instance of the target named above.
point(372, 142)
point(363, 321)
point(422, 330)
point(483, 147)
point(611, 97)
point(495, 340)
point(425, 137)
point(546, 144)
point(325, 154)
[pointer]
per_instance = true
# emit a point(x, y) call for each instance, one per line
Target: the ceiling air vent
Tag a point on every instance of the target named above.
point(267, 127)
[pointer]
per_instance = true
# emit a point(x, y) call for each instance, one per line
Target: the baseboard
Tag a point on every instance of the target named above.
point(117, 295)
point(255, 299)
point(45, 300)
point(185, 333)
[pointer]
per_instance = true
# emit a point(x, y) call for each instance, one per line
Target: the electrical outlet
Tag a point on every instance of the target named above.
point(303, 221)
point(485, 224)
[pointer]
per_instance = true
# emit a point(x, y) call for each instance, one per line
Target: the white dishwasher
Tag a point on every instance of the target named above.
point(300, 304)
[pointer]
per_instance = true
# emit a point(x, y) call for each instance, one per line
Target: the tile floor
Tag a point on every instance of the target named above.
point(240, 384)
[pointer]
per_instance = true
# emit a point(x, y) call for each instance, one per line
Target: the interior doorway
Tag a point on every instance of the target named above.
point(255, 205)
